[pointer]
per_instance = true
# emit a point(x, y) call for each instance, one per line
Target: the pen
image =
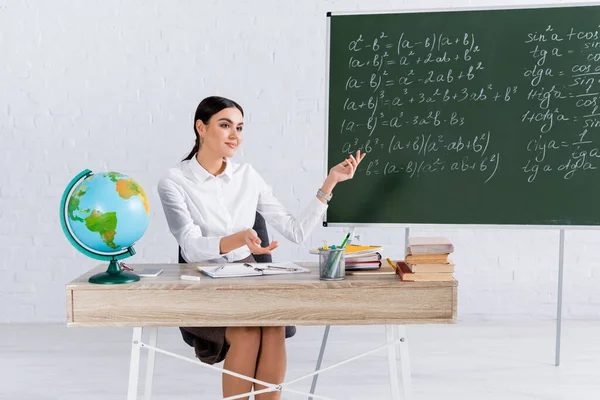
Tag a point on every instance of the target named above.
point(282, 268)
point(218, 269)
point(391, 264)
point(258, 268)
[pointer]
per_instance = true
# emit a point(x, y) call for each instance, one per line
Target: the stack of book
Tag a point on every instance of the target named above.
point(363, 262)
point(427, 259)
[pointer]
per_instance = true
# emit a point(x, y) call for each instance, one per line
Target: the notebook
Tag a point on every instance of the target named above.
point(371, 261)
point(375, 257)
point(234, 270)
point(364, 265)
point(371, 272)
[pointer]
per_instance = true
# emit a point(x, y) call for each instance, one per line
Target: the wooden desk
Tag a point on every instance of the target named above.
point(277, 300)
point(299, 299)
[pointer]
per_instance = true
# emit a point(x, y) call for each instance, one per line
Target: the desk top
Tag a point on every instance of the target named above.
point(170, 280)
point(273, 300)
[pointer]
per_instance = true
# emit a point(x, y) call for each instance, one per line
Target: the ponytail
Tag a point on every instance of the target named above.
point(194, 150)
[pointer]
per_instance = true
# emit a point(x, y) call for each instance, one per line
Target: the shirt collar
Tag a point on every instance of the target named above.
point(202, 174)
point(228, 172)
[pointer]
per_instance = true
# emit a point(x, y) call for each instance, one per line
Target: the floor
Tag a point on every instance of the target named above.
point(466, 361)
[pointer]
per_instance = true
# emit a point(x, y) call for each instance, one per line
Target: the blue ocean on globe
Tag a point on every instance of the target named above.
point(108, 212)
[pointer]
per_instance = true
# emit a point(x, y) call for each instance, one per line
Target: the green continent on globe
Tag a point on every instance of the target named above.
point(105, 224)
point(113, 176)
point(73, 205)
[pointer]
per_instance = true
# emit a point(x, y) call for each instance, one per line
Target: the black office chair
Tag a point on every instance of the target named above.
point(260, 226)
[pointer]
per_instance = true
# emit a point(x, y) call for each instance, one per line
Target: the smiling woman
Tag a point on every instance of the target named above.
point(210, 203)
point(226, 128)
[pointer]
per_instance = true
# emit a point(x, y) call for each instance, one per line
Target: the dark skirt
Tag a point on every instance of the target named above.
point(209, 343)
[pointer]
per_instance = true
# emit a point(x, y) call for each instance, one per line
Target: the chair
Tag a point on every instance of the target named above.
point(260, 226)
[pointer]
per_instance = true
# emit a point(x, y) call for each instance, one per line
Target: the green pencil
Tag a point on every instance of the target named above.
point(345, 240)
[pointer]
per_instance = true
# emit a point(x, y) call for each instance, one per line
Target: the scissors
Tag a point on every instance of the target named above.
point(270, 267)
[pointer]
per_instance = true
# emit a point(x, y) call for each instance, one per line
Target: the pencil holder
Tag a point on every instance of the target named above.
point(332, 264)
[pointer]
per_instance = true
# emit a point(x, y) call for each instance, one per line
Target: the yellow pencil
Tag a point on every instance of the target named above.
point(391, 264)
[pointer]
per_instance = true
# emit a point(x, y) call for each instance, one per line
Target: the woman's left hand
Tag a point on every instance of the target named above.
point(252, 240)
point(346, 169)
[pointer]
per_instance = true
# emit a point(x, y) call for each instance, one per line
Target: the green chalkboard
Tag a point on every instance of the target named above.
point(468, 117)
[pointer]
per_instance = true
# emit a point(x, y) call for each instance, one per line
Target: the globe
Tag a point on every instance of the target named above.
point(103, 215)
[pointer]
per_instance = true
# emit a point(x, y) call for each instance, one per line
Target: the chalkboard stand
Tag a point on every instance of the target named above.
point(561, 252)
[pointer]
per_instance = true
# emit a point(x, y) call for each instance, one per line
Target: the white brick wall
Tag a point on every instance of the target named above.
point(112, 85)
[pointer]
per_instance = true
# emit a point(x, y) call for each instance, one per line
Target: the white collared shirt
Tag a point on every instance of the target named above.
point(201, 209)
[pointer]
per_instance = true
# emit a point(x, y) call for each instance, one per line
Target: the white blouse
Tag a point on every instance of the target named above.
point(201, 209)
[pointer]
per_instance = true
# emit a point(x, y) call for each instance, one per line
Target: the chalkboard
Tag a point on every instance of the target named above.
point(468, 117)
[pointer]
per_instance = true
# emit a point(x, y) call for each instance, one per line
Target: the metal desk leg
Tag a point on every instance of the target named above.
point(319, 360)
point(396, 337)
point(389, 332)
point(150, 362)
point(404, 362)
point(134, 365)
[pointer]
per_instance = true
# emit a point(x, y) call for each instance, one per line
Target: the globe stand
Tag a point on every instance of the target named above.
point(114, 275)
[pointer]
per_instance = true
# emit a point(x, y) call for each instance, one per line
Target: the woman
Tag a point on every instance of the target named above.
point(210, 204)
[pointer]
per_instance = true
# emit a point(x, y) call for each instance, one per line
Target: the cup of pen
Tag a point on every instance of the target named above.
point(332, 264)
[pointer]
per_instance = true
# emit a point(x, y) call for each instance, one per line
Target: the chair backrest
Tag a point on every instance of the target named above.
point(260, 226)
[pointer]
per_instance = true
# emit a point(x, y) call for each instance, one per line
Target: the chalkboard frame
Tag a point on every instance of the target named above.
point(432, 10)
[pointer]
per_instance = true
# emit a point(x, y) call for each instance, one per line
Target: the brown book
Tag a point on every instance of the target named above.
point(407, 276)
point(429, 245)
point(426, 259)
point(448, 267)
